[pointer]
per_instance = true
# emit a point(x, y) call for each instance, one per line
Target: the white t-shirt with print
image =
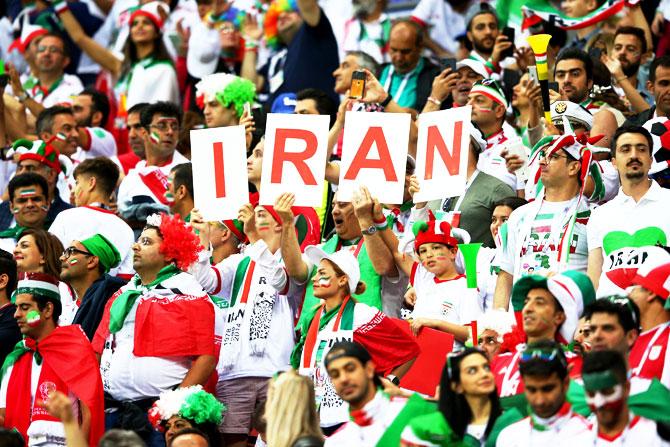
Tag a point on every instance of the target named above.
point(533, 237)
point(449, 300)
point(622, 228)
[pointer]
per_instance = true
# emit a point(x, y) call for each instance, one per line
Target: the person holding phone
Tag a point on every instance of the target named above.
point(490, 46)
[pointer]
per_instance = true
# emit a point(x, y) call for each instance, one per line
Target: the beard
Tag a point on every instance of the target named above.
point(631, 69)
point(481, 48)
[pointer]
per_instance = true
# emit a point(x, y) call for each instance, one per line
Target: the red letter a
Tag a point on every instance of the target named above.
point(375, 136)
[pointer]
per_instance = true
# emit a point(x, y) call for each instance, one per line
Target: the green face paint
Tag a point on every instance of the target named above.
point(15, 210)
point(33, 318)
point(73, 261)
point(155, 138)
point(61, 136)
point(599, 380)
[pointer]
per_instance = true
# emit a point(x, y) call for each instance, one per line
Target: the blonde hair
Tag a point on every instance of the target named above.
point(290, 410)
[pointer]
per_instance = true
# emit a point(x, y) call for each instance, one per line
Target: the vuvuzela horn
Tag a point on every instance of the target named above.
point(539, 43)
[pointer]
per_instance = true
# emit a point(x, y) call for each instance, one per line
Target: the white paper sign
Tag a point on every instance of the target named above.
point(374, 154)
point(442, 153)
point(220, 182)
point(294, 158)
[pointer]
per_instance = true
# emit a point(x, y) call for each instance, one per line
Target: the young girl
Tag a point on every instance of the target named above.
point(443, 299)
point(468, 405)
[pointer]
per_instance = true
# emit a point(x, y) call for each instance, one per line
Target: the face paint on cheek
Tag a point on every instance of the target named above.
point(263, 227)
point(33, 318)
point(44, 208)
point(441, 258)
point(169, 198)
point(485, 110)
point(73, 261)
point(15, 210)
point(154, 137)
point(323, 281)
point(612, 401)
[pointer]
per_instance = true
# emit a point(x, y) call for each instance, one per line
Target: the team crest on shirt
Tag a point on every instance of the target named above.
point(45, 389)
point(447, 307)
point(561, 107)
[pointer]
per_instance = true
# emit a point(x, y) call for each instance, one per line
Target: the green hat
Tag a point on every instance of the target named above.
point(98, 245)
point(572, 289)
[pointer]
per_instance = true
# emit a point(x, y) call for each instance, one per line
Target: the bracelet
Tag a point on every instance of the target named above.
point(250, 42)
point(60, 6)
point(250, 49)
point(386, 102)
point(381, 224)
point(434, 100)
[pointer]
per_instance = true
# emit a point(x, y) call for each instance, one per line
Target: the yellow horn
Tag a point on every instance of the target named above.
point(539, 44)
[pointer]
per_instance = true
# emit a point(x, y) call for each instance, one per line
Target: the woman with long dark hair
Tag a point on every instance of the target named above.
point(145, 72)
point(468, 405)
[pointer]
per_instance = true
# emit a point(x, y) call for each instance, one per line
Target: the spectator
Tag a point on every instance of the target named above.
point(300, 33)
point(352, 61)
point(409, 76)
point(142, 191)
point(614, 324)
point(95, 182)
point(392, 351)
point(85, 266)
point(9, 330)
point(545, 375)
point(629, 52)
point(468, 404)
point(28, 201)
point(190, 437)
point(38, 310)
point(639, 198)
point(51, 85)
point(224, 97)
point(186, 407)
point(91, 113)
point(550, 310)
point(658, 85)
point(140, 357)
point(180, 191)
point(290, 412)
point(484, 36)
point(130, 159)
point(443, 24)
point(369, 30)
point(492, 326)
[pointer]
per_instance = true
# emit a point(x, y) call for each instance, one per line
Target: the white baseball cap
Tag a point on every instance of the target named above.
point(474, 65)
point(344, 259)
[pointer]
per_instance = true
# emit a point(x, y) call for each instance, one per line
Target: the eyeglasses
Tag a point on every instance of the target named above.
point(72, 250)
point(551, 157)
point(51, 49)
point(163, 127)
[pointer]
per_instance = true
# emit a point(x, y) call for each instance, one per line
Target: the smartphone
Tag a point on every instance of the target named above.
point(357, 89)
point(449, 62)
point(509, 32)
point(532, 75)
point(553, 86)
point(247, 108)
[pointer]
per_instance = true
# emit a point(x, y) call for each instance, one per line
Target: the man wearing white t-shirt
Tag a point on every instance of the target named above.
point(95, 182)
point(548, 235)
point(620, 231)
point(51, 85)
point(142, 191)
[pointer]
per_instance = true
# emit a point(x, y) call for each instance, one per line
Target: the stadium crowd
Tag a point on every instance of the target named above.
point(532, 309)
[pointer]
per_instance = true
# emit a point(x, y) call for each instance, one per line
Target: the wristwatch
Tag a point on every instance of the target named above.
point(393, 379)
point(370, 230)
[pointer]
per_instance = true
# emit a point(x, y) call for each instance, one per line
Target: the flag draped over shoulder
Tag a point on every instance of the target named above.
point(536, 11)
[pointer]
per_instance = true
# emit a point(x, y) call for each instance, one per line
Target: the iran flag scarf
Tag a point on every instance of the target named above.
point(69, 365)
point(388, 345)
point(536, 11)
point(243, 306)
point(170, 305)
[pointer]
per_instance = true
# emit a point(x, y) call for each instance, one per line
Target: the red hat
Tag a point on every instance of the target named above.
point(656, 279)
point(151, 11)
point(433, 231)
point(236, 227)
point(39, 150)
point(270, 209)
point(28, 34)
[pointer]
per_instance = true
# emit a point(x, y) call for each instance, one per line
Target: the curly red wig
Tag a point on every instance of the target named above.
point(179, 242)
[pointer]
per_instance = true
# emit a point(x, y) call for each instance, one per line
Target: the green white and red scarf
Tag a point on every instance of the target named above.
point(536, 11)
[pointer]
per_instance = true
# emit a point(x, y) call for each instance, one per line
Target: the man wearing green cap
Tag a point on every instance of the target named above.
point(85, 267)
point(550, 309)
point(607, 390)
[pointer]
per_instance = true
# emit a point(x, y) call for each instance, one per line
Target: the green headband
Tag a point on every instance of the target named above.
point(600, 380)
point(98, 245)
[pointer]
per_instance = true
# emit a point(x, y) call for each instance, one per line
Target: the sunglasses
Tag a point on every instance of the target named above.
point(544, 355)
